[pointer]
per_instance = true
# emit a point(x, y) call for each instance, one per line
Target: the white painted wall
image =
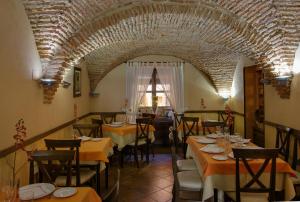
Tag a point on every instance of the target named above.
point(22, 97)
point(196, 86)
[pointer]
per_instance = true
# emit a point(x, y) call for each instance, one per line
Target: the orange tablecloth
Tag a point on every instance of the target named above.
point(127, 129)
point(214, 167)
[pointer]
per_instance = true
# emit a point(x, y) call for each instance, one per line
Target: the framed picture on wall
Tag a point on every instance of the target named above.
point(77, 82)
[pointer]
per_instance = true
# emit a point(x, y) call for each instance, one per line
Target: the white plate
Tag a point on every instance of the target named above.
point(205, 140)
point(245, 141)
point(35, 191)
point(84, 138)
point(239, 145)
point(212, 149)
point(96, 139)
point(220, 157)
point(117, 123)
point(114, 125)
point(65, 192)
point(215, 136)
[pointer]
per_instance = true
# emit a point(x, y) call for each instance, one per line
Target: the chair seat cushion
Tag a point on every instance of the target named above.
point(250, 197)
point(189, 180)
point(186, 164)
point(296, 179)
point(85, 176)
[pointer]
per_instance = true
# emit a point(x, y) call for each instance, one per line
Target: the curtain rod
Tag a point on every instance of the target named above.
point(156, 62)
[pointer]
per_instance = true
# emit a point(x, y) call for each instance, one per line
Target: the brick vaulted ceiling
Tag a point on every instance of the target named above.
point(210, 34)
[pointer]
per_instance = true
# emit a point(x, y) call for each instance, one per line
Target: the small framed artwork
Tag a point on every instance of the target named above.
point(77, 82)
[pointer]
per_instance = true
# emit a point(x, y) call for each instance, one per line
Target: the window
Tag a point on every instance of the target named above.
point(155, 95)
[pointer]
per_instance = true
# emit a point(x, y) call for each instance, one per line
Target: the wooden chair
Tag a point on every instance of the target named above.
point(112, 195)
point(82, 175)
point(115, 148)
point(283, 135)
point(93, 129)
point(181, 164)
point(149, 115)
point(108, 117)
point(152, 117)
point(187, 184)
point(142, 140)
point(189, 125)
point(99, 122)
point(207, 125)
point(177, 123)
point(245, 190)
point(49, 171)
point(295, 134)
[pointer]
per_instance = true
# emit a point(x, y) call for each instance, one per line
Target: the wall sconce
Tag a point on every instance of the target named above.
point(224, 95)
point(47, 81)
point(93, 94)
point(283, 80)
point(65, 84)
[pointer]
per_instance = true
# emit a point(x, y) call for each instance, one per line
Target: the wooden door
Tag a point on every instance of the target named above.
point(250, 101)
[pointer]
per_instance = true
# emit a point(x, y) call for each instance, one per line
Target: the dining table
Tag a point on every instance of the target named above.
point(220, 174)
point(123, 135)
point(93, 149)
point(83, 194)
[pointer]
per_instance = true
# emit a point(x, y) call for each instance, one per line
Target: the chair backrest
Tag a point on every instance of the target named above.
point(223, 117)
point(100, 123)
point(177, 120)
point(112, 195)
point(189, 126)
point(241, 155)
point(174, 156)
point(48, 169)
point(207, 125)
point(71, 145)
point(149, 115)
point(93, 129)
point(283, 135)
point(296, 138)
point(108, 117)
point(142, 129)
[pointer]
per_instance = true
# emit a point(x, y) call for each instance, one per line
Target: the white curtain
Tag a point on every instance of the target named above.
point(138, 76)
point(171, 77)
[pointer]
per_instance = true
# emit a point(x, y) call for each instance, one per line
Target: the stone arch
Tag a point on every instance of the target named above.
point(65, 31)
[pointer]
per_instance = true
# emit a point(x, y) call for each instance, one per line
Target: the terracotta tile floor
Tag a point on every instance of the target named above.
point(149, 183)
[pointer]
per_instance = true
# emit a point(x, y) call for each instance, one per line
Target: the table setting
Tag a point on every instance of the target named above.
point(216, 163)
point(46, 192)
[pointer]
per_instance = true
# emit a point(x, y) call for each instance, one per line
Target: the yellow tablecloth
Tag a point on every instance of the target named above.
point(124, 135)
point(93, 151)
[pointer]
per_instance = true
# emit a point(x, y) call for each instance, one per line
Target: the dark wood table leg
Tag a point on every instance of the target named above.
point(98, 178)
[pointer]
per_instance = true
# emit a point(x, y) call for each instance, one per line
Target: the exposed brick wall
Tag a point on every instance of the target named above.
point(209, 34)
